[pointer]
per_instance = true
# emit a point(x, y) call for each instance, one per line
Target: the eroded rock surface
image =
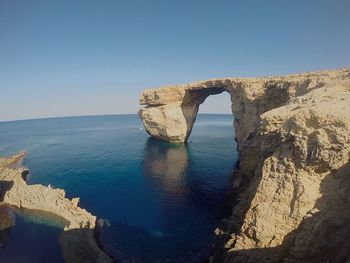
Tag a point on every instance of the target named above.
point(293, 180)
point(78, 241)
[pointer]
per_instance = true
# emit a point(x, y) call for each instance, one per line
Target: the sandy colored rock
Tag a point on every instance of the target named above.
point(292, 183)
point(78, 240)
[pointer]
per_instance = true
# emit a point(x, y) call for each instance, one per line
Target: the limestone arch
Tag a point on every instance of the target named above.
point(171, 112)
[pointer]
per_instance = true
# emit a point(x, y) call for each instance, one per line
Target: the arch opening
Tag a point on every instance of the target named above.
point(205, 101)
point(214, 113)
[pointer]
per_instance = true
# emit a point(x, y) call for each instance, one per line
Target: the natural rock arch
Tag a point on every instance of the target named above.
point(293, 136)
point(170, 112)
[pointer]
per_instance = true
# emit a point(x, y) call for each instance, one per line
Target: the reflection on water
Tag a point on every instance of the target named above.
point(29, 235)
point(168, 166)
point(7, 220)
point(189, 205)
point(166, 162)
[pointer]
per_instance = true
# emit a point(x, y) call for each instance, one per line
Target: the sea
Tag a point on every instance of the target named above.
point(160, 202)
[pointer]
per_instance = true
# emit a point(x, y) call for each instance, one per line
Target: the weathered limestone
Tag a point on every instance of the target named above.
point(292, 183)
point(78, 241)
point(171, 111)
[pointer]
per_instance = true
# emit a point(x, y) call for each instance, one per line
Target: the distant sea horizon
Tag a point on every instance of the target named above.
point(94, 115)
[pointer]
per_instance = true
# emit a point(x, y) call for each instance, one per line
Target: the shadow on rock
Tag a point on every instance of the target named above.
point(323, 235)
point(4, 187)
point(79, 245)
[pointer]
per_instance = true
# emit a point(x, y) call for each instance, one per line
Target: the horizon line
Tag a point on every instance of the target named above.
point(95, 115)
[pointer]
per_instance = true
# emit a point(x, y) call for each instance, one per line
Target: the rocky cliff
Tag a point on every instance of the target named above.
point(293, 180)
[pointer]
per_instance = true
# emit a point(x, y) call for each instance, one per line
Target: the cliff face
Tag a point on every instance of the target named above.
point(292, 183)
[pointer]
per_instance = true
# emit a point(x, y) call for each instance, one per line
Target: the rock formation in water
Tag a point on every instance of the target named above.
point(78, 240)
point(292, 183)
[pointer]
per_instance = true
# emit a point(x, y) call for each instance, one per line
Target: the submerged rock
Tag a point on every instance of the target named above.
point(293, 180)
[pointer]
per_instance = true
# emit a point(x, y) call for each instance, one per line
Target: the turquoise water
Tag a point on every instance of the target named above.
point(162, 201)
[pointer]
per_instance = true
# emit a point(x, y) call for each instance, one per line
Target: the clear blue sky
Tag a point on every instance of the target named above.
point(61, 58)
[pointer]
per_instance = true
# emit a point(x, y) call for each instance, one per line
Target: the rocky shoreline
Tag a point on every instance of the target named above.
point(292, 182)
point(79, 241)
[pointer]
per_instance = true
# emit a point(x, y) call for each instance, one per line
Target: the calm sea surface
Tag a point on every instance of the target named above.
point(162, 201)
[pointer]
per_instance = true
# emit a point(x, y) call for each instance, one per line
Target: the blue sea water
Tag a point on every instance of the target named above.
point(33, 239)
point(162, 201)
